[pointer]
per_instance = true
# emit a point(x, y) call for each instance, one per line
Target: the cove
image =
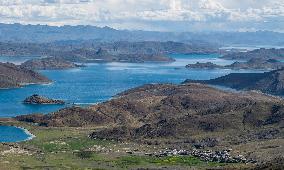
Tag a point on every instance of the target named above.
point(13, 134)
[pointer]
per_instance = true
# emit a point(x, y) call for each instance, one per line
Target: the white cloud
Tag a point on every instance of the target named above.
point(194, 14)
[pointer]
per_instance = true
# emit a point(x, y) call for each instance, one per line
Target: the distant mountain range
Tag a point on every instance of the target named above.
point(86, 52)
point(75, 34)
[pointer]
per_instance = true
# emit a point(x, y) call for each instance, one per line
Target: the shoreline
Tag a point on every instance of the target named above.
point(26, 131)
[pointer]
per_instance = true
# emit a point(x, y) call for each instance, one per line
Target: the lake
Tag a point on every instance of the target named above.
point(99, 82)
point(13, 134)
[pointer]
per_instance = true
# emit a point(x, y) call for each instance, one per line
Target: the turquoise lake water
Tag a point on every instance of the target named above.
point(99, 82)
point(12, 134)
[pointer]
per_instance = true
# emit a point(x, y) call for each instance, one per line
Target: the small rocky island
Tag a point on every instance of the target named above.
point(37, 99)
point(49, 63)
point(255, 64)
point(207, 65)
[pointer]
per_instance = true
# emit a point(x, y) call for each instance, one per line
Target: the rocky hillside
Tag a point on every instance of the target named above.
point(174, 111)
point(14, 76)
point(262, 53)
point(254, 63)
point(182, 116)
point(50, 63)
point(269, 82)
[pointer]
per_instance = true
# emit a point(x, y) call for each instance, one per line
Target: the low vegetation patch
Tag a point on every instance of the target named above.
point(129, 161)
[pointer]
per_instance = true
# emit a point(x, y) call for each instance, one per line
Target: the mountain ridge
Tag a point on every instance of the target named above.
point(268, 82)
point(44, 33)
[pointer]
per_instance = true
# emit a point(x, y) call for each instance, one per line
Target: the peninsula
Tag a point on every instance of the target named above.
point(252, 64)
point(12, 76)
point(269, 82)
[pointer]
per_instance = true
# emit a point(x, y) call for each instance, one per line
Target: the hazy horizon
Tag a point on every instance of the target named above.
point(147, 15)
point(125, 29)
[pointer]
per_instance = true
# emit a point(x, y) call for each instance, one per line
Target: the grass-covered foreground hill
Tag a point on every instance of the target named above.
point(71, 148)
point(152, 118)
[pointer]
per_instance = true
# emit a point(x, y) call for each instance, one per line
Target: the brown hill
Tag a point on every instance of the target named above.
point(268, 82)
point(49, 63)
point(175, 111)
point(14, 76)
point(181, 116)
point(262, 53)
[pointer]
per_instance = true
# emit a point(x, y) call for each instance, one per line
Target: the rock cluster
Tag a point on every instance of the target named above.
point(222, 156)
point(37, 99)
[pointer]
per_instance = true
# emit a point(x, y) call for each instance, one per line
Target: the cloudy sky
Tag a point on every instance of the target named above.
point(162, 15)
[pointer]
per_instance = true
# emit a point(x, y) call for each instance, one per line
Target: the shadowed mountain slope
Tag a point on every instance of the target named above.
point(268, 82)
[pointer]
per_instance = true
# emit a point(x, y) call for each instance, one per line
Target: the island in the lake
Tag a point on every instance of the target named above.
point(37, 99)
point(12, 76)
point(253, 64)
point(269, 82)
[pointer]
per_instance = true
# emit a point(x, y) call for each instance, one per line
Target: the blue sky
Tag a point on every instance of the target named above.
point(161, 15)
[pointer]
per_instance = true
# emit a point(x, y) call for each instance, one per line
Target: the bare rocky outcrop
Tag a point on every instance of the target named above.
point(37, 99)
